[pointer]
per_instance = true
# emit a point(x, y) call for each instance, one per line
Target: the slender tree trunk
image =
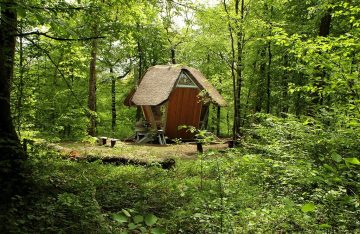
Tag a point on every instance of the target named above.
point(318, 99)
point(113, 101)
point(218, 112)
point(141, 58)
point(299, 102)
point(92, 86)
point(284, 103)
point(233, 73)
point(140, 73)
point(228, 122)
point(21, 85)
point(213, 118)
point(173, 55)
point(246, 105)
point(268, 77)
point(240, 46)
point(236, 62)
point(268, 80)
point(325, 24)
point(260, 90)
point(218, 116)
point(11, 153)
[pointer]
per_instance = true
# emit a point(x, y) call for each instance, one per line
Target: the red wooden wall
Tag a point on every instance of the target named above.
point(184, 108)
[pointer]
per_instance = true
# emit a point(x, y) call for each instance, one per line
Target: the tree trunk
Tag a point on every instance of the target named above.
point(284, 103)
point(246, 105)
point(318, 99)
point(20, 86)
point(268, 76)
point(11, 153)
point(7, 53)
point(113, 101)
point(213, 118)
point(173, 58)
point(240, 45)
point(325, 24)
point(140, 73)
point(236, 72)
point(299, 100)
point(218, 116)
point(268, 81)
point(260, 90)
point(92, 87)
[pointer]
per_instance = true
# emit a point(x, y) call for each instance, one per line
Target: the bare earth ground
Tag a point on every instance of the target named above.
point(128, 150)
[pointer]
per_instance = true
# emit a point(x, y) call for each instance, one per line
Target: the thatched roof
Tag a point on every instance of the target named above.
point(158, 82)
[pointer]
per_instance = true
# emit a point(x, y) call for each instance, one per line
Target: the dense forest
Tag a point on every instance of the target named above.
point(289, 71)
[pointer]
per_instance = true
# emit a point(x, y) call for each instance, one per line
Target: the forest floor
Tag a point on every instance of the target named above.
point(129, 150)
point(286, 177)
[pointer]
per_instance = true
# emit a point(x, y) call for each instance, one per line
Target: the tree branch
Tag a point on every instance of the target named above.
point(58, 38)
point(60, 72)
point(125, 74)
point(53, 8)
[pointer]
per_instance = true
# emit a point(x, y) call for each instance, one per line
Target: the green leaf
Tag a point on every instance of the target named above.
point(308, 207)
point(126, 212)
point(354, 161)
point(150, 219)
point(21, 12)
point(336, 157)
point(157, 231)
point(138, 219)
point(120, 218)
point(325, 225)
point(330, 168)
point(132, 226)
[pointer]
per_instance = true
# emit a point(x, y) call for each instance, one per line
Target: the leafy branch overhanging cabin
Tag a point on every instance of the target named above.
point(171, 96)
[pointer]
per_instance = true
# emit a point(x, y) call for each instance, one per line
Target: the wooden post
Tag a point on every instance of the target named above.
point(103, 140)
point(151, 117)
point(199, 147)
point(25, 141)
point(112, 142)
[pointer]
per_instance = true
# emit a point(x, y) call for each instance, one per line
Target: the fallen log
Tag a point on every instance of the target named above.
point(164, 164)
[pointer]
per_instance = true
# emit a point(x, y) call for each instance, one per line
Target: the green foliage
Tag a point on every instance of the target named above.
point(308, 207)
point(202, 136)
point(291, 175)
point(130, 222)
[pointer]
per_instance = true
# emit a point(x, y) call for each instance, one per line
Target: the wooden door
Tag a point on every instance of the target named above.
point(184, 108)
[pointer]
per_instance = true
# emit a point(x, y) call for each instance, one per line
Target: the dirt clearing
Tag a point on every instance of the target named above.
point(135, 151)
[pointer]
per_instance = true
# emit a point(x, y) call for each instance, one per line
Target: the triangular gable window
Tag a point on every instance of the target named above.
point(185, 81)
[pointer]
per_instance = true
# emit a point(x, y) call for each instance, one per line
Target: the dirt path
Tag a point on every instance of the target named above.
point(135, 151)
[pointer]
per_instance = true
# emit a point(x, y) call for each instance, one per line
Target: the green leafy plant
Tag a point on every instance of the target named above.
point(130, 221)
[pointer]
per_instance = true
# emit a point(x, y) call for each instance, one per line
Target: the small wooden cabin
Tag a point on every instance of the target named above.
point(174, 95)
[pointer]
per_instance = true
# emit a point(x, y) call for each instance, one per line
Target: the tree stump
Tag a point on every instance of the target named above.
point(231, 144)
point(103, 140)
point(113, 142)
point(199, 147)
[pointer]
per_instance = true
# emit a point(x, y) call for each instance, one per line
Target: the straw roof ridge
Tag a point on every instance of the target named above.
point(158, 82)
point(206, 85)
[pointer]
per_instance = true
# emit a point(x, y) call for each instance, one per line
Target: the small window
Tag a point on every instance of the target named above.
point(185, 81)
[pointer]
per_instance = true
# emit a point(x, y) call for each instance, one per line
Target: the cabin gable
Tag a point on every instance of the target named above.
point(184, 81)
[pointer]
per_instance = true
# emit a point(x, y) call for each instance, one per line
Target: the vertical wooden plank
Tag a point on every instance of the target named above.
point(183, 109)
point(146, 116)
point(150, 115)
point(171, 115)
